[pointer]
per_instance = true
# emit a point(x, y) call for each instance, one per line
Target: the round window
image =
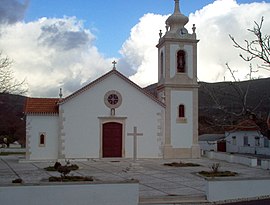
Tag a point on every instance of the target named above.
point(112, 99)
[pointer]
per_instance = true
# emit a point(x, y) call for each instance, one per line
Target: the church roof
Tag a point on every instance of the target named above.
point(108, 74)
point(41, 106)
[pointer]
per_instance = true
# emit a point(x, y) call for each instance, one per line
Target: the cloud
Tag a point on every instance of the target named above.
point(214, 24)
point(140, 51)
point(60, 52)
point(53, 53)
point(12, 11)
point(65, 34)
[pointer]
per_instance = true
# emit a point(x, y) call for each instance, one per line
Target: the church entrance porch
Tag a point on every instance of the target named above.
point(112, 139)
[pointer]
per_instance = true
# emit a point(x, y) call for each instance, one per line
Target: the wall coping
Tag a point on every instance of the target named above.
point(47, 183)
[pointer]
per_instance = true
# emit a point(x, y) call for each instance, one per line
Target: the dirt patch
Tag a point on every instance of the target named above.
point(181, 164)
point(71, 179)
point(218, 174)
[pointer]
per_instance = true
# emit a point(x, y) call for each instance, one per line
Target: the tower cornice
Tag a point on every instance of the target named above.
point(174, 40)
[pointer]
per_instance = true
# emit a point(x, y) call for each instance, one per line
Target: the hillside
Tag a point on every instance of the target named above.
point(12, 121)
point(223, 102)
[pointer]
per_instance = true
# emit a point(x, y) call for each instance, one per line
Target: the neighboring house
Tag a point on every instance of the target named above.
point(101, 119)
point(245, 137)
point(212, 142)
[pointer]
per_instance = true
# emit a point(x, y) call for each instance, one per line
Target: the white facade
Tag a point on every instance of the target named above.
point(35, 126)
point(181, 130)
point(209, 142)
point(78, 131)
point(84, 115)
point(251, 142)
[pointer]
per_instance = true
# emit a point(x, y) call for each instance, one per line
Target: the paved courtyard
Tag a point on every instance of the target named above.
point(157, 183)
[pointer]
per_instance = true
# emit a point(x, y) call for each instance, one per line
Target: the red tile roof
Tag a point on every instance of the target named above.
point(41, 106)
point(246, 125)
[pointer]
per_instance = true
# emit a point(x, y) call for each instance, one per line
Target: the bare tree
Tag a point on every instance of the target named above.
point(259, 48)
point(8, 84)
point(227, 103)
point(234, 101)
point(12, 126)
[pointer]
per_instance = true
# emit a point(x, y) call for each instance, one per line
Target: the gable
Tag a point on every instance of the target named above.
point(119, 78)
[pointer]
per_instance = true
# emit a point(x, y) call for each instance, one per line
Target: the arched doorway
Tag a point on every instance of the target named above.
point(112, 139)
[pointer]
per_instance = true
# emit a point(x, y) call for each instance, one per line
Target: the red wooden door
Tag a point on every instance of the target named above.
point(112, 140)
point(221, 146)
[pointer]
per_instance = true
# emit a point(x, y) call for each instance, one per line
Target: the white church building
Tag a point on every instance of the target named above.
point(112, 117)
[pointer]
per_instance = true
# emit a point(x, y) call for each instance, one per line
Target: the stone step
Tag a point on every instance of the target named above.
point(176, 199)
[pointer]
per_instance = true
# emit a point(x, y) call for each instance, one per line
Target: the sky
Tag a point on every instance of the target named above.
point(69, 43)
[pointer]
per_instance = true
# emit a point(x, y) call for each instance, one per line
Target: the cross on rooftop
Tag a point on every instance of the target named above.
point(114, 64)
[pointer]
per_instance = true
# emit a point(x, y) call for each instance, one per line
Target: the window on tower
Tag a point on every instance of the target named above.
point(161, 64)
point(181, 117)
point(181, 61)
point(181, 111)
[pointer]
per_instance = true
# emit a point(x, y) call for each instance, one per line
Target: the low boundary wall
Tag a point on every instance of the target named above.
point(232, 189)
point(121, 193)
point(265, 164)
point(19, 150)
point(233, 158)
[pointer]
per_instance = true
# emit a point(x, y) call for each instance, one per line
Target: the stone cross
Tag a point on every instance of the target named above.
point(114, 64)
point(135, 134)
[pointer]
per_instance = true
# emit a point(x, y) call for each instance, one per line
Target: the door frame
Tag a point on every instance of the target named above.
point(103, 120)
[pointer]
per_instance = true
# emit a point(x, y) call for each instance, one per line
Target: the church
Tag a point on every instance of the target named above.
point(112, 117)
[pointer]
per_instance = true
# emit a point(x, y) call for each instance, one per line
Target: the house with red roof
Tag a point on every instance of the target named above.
point(245, 137)
point(114, 117)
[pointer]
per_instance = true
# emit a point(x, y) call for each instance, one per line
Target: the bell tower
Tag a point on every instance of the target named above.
point(178, 87)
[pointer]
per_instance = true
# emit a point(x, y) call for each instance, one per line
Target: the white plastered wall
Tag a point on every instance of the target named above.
point(48, 125)
point(239, 147)
point(82, 115)
point(182, 132)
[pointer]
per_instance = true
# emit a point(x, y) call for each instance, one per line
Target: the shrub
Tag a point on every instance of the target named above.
point(17, 181)
point(215, 167)
point(181, 164)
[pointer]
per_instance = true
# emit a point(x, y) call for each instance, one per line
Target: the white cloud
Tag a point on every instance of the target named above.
point(214, 24)
point(140, 49)
point(54, 53)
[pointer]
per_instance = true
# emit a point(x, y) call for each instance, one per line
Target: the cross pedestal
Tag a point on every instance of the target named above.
point(135, 134)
